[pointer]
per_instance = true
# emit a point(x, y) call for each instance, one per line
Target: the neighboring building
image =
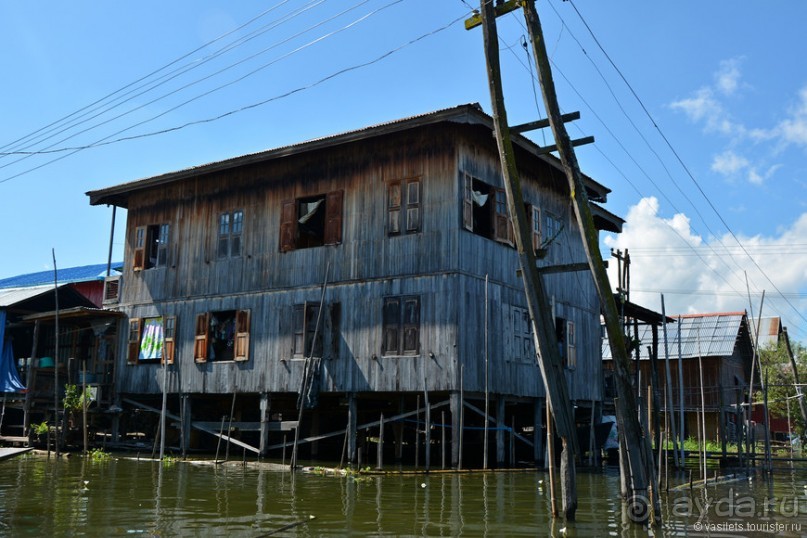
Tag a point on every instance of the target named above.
point(714, 352)
point(86, 341)
point(370, 251)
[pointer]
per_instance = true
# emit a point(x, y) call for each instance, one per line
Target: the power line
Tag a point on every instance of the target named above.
point(683, 165)
point(104, 142)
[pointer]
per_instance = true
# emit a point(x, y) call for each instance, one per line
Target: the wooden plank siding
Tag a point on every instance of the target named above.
point(443, 264)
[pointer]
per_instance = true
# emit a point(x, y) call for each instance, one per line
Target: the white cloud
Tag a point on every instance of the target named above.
point(701, 275)
point(729, 163)
point(727, 78)
point(793, 129)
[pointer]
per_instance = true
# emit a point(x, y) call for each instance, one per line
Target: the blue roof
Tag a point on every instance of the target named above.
point(85, 273)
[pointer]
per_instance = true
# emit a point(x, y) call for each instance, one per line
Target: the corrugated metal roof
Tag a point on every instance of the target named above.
point(12, 296)
point(707, 335)
point(769, 330)
point(84, 273)
point(470, 113)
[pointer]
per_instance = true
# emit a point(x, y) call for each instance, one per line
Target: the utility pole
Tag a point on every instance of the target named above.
point(640, 457)
point(537, 300)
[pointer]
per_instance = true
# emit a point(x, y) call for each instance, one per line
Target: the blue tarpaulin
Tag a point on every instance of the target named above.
point(9, 378)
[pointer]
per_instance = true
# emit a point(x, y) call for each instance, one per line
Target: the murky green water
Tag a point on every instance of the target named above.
point(74, 497)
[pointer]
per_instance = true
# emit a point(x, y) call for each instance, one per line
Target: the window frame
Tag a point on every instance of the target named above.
point(499, 224)
point(151, 244)
point(400, 328)
point(135, 340)
point(332, 221)
point(306, 324)
point(241, 320)
point(229, 234)
point(403, 209)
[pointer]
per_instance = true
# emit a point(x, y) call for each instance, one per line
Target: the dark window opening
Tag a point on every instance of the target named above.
point(401, 326)
point(151, 246)
point(485, 211)
point(308, 329)
point(567, 342)
point(312, 221)
point(222, 336)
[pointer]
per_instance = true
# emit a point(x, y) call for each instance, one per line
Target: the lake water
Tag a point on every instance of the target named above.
point(126, 497)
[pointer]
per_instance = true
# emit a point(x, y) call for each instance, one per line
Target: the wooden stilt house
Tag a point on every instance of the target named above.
point(351, 275)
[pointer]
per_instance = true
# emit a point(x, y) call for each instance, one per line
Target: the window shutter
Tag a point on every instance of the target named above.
point(413, 206)
point(571, 344)
point(169, 341)
point(200, 341)
point(134, 341)
point(242, 335)
point(139, 258)
point(411, 325)
point(392, 319)
point(467, 203)
point(502, 225)
point(394, 208)
point(288, 225)
point(333, 217)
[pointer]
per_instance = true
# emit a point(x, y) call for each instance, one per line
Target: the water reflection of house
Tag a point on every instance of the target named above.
point(713, 353)
point(354, 266)
point(86, 342)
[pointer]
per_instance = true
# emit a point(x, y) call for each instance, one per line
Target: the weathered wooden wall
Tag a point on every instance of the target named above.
point(444, 264)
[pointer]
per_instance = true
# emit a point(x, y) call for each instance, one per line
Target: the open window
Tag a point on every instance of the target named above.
point(403, 206)
point(484, 211)
point(230, 227)
point(151, 246)
point(312, 221)
point(401, 325)
point(567, 342)
point(534, 222)
point(152, 340)
point(308, 327)
point(222, 336)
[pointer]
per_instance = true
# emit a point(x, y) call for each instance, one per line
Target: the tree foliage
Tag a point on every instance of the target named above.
point(778, 369)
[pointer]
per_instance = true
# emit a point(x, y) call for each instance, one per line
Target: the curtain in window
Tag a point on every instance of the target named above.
point(151, 346)
point(310, 208)
point(479, 198)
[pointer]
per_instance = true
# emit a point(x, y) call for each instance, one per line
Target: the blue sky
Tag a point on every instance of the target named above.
point(713, 187)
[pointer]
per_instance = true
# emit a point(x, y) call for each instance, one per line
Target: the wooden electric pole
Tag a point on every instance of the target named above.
point(537, 300)
point(639, 457)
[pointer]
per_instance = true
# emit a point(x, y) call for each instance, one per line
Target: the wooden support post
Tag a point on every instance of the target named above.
point(29, 382)
point(654, 381)
point(265, 414)
point(427, 435)
point(669, 392)
point(537, 435)
point(537, 299)
point(399, 430)
point(379, 459)
point(500, 423)
point(417, 434)
point(642, 470)
point(351, 427)
point(442, 440)
point(455, 403)
point(550, 457)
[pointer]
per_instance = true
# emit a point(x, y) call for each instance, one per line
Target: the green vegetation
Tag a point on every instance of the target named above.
point(778, 370)
point(40, 429)
point(97, 455)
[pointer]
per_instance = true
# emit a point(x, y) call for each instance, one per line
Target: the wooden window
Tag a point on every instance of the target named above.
point(134, 341)
point(152, 339)
point(567, 344)
point(571, 346)
point(311, 221)
point(401, 325)
point(231, 226)
point(151, 246)
point(523, 341)
point(170, 331)
point(485, 212)
point(534, 221)
point(242, 335)
point(200, 340)
point(139, 258)
point(403, 207)
point(222, 336)
point(308, 329)
point(552, 227)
